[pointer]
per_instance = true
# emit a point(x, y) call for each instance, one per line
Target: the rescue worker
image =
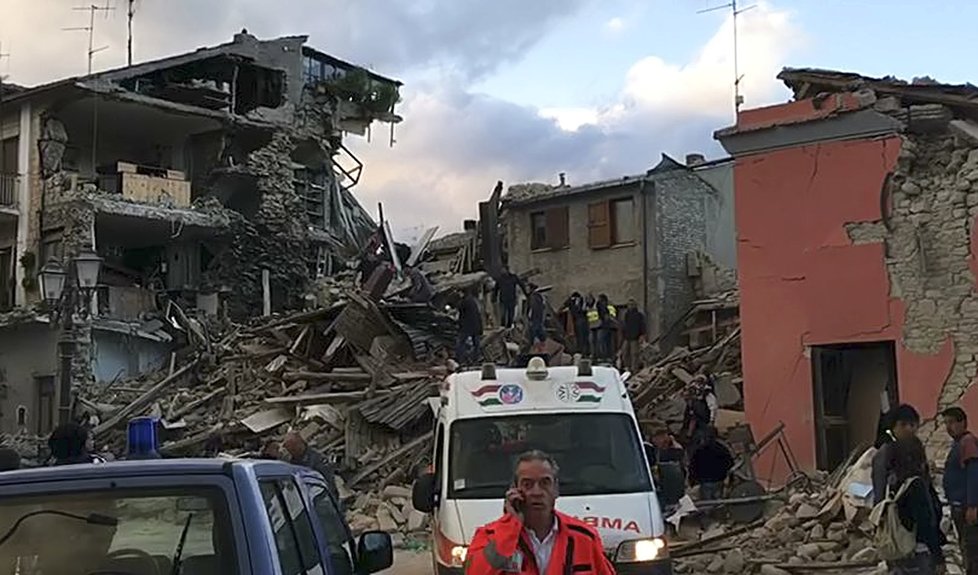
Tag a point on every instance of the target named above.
point(531, 538)
point(70, 444)
point(593, 322)
point(709, 466)
point(699, 414)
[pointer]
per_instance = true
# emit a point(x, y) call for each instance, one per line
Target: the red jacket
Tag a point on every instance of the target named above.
point(577, 549)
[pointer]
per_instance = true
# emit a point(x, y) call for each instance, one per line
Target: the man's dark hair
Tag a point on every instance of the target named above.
point(67, 441)
point(9, 459)
point(956, 413)
point(909, 459)
point(904, 413)
point(536, 455)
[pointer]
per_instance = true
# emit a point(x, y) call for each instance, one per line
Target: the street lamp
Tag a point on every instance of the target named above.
point(60, 289)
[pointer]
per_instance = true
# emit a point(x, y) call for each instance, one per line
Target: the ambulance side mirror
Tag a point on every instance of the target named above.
point(424, 494)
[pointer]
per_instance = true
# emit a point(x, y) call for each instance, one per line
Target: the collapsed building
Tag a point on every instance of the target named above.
point(215, 181)
point(856, 217)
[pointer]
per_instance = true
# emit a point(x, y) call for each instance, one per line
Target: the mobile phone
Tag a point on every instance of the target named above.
point(519, 503)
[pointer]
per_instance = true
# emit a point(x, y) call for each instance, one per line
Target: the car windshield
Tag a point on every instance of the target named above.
point(598, 453)
point(118, 531)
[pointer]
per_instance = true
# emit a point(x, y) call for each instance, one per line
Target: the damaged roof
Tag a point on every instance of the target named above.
point(810, 82)
point(243, 47)
point(526, 194)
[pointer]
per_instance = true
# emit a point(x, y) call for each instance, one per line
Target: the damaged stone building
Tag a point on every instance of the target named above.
point(657, 237)
point(217, 180)
point(856, 209)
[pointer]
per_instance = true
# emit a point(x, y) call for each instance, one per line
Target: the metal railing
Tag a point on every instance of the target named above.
point(8, 190)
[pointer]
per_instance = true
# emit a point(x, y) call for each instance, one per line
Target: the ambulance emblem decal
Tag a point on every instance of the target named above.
point(510, 394)
point(579, 392)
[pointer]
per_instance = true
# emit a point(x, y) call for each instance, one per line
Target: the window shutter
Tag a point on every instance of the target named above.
point(598, 225)
point(557, 232)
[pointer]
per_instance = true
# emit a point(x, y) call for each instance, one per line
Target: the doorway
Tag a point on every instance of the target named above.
point(7, 281)
point(854, 384)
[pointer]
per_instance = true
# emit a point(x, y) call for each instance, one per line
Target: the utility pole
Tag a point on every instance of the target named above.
point(734, 11)
point(132, 12)
point(92, 9)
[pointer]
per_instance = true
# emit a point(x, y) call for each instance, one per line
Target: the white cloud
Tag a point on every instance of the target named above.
point(454, 145)
point(571, 119)
point(615, 25)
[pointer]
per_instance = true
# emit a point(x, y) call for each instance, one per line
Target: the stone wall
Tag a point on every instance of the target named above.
point(276, 238)
point(933, 194)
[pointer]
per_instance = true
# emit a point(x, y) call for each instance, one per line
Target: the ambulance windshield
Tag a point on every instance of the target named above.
point(598, 453)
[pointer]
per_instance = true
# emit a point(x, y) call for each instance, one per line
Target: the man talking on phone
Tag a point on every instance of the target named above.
point(531, 538)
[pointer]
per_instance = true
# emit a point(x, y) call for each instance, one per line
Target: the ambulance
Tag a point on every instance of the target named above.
point(582, 416)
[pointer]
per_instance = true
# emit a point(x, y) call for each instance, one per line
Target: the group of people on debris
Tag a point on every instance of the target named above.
point(902, 476)
point(598, 329)
point(704, 460)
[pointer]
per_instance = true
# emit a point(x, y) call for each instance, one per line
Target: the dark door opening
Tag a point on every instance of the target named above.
point(7, 281)
point(853, 384)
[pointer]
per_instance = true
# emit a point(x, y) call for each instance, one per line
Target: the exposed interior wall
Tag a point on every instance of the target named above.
point(805, 282)
point(120, 356)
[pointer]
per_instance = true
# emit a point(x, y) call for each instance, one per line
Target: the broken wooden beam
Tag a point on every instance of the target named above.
point(193, 405)
point(406, 448)
point(326, 376)
point(324, 398)
point(144, 400)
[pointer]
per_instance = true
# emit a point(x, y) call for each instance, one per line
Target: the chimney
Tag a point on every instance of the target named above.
point(469, 225)
point(563, 179)
point(694, 160)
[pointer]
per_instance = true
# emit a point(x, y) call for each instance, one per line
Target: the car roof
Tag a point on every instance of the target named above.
point(159, 467)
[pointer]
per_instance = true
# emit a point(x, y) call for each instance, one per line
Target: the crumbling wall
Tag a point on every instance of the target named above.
point(933, 202)
point(276, 238)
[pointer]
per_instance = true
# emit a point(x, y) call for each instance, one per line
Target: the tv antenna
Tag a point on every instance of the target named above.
point(92, 9)
point(130, 14)
point(734, 12)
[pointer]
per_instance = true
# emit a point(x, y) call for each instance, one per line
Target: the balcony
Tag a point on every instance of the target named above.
point(8, 191)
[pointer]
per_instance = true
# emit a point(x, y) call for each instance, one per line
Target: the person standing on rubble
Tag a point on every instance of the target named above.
point(700, 412)
point(903, 421)
point(582, 334)
point(593, 322)
point(606, 329)
point(506, 293)
point(633, 332)
point(301, 454)
point(917, 509)
point(709, 465)
point(69, 444)
point(468, 349)
point(420, 290)
point(532, 538)
point(961, 485)
point(537, 316)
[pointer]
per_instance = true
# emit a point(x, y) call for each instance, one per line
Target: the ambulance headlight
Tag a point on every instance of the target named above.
point(459, 553)
point(641, 550)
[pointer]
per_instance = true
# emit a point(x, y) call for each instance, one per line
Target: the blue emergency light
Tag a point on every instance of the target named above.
point(143, 442)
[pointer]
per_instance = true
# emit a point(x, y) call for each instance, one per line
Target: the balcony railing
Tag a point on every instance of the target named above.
point(8, 190)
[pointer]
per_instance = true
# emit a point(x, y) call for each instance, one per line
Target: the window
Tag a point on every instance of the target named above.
point(21, 416)
point(295, 538)
point(45, 404)
point(334, 527)
point(611, 223)
point(598, 453)
point(549, 229)
point(149, 522)
point(622, 221)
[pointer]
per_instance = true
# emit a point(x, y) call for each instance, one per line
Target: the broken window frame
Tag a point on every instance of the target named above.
point(313, 192)
point(549, 229)
point(616, 221)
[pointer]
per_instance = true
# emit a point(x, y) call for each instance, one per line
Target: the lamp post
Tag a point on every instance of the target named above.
point(61, 289)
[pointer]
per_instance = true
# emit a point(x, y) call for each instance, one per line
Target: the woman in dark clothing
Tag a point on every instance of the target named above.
point(919, 510)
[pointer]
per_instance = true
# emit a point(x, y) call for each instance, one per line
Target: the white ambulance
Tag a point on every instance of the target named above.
point(582, 417)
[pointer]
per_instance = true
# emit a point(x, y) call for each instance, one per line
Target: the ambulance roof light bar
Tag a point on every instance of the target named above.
point(536, 369)
point(488, 371)
point(584, 368)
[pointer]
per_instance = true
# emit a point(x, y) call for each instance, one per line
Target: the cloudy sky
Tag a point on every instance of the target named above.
point(519, 90)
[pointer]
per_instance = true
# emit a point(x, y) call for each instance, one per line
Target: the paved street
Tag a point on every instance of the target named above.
point(411, 563)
